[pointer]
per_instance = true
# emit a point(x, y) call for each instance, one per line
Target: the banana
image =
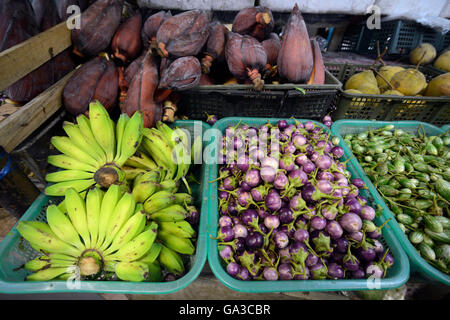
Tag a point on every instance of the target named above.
point(158, 201)
point(138, 247)
point(65, 162)
point(120, 128)
point(183, 199)
point(122, 212)
point(36, 264)
point(139, 207)
point(169, 185)
point(40, 234)
point(109, 202)
point(159, 150)
point(75, 134)
point(68, 175)
point(181, 152)
point(170, 260)
point(141, 161)
point(181, 229)
point(109, 265)
point(145, 186)
point(134, 226)
point(132, 271)
point(60, 256)
point(76, 209)
point(197, 150)
point(172, 213)
point(155, 273)
point(152, 254)
point(180, 245)
point(168, 133)
point(131, 139)
point(45, 262)
point(46, 274)
point(103, 129)
point(62, 227)
point(85, 127)
point(64, 277)
point(68, 147)
point(94, 199)
point(60, 188)
point(131, 173)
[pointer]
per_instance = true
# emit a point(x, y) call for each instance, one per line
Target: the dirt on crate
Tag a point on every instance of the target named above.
point(7, 221)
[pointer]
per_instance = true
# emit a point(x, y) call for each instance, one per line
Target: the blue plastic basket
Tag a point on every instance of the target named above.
point(342, 127)
point(395, 277)
point(14, 252)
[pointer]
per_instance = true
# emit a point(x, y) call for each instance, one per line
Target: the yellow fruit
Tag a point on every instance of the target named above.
point(409, 82)
point(386, 72)
point(439, 86)
point(353, 91)
point(363, 78)
point(443, 62)
point(393, 93)
point(423, 54)
point(369, 88)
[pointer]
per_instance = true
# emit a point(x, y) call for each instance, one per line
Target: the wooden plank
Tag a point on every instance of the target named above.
point(18, 61)
point(7, 109)
point(18, 126)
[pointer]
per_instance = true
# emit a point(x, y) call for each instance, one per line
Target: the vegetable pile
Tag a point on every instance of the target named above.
point(412, 174)
point(292, 211)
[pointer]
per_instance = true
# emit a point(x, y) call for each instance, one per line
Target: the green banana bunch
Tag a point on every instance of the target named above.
point(95, 150)
point(145, 185)
point(170, 149)
point(102, 232)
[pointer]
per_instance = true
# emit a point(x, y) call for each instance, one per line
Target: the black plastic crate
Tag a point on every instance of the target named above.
point(398, 36)
point(281, 100)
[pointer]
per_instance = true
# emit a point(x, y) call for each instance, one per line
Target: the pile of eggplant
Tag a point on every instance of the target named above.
point(290, 210)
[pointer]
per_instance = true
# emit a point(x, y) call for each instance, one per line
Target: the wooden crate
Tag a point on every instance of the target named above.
point(18, 123)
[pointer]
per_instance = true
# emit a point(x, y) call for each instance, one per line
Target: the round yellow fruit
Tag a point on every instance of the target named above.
point(443, 62)
point(423, 54)
point(439, 86)
point(386, 72)
point(361, 79)
point(393, 93)
point(353, 91)
point(409, 82)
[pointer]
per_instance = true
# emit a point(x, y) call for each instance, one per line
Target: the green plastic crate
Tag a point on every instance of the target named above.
point(395, 277)
point(446, 127)
point(14, 251)
point(342, 127)
point(435, 110)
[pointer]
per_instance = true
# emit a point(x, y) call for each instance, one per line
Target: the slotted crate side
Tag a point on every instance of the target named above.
point(313, 101)
point(435, 110)
point(14, 251)
point(395, 277)
point(352, 38)
point(341, 128)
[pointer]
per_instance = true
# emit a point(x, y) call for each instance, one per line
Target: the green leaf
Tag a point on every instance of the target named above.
point(301, 90)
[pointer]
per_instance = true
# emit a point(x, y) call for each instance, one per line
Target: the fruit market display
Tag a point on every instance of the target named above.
point(404, 81)
point(411, 172)
point(124, 214)
point(121, 200)
point(293, 211)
